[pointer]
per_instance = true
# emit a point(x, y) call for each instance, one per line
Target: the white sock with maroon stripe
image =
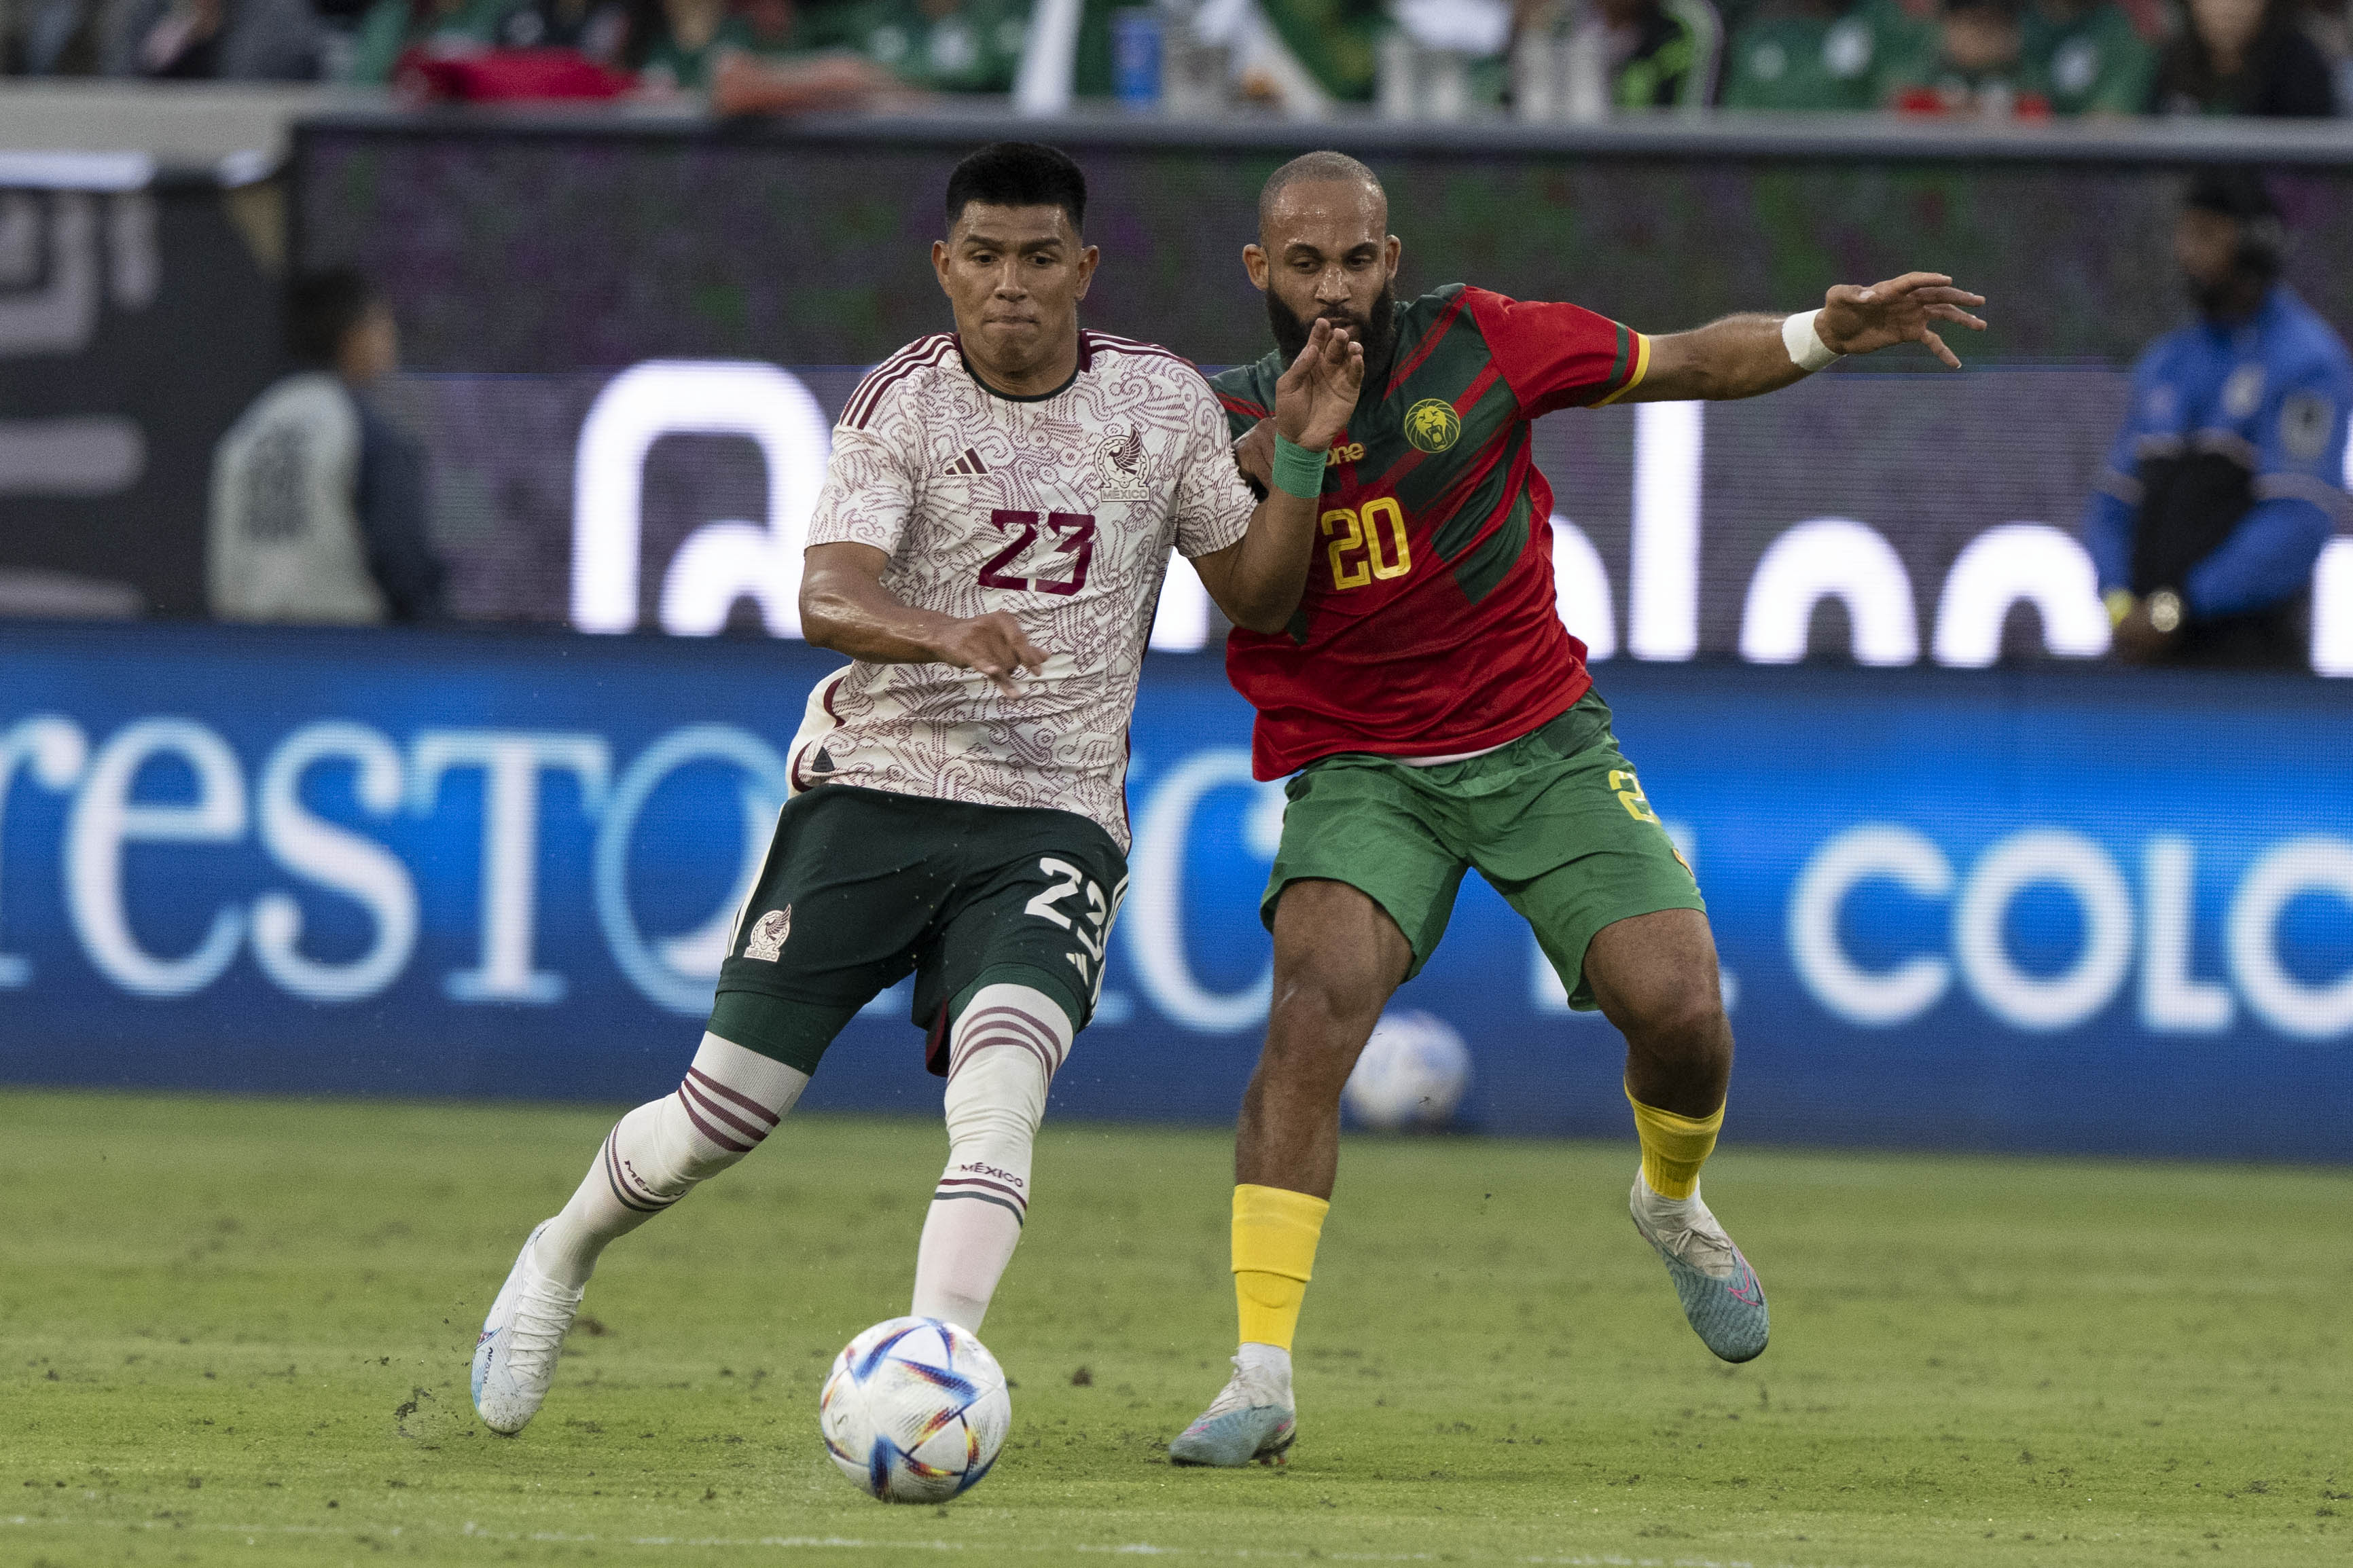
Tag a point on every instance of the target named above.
point(1001, 1057)
point(731, 1099)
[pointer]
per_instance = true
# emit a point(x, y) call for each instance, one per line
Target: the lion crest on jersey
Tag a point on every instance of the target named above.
point(768, 935)
point(1433, 424)
point(1119, 465)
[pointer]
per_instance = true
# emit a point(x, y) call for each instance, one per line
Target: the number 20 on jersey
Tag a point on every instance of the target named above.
point(1367, 545)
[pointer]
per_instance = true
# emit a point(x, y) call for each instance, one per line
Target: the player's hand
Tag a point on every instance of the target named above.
point(1254, 455)
point(1855, 320)
point(995, 645)
point(1316, 396)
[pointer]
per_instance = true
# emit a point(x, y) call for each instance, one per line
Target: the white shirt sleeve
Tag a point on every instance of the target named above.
point(1213, 501)
point(868, 493)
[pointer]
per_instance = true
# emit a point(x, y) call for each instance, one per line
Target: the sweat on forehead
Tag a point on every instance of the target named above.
point(1321, 169)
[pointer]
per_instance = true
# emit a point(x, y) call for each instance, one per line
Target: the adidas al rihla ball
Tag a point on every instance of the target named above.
point(914, 1411)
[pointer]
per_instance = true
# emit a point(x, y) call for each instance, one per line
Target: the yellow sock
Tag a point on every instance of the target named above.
point(1275, 1231)
point(1673, 1147)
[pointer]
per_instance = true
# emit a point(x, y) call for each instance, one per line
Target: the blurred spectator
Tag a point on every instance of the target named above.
point(1659, 54)
point(1975, 64)
point(204, 40)
point(1816, 55)
point(771, 59)
point(2244, 56)
point(2088, 56)
point(1440, 57)
point(604, 31)
point(691, 37)
point(1299, 56)
point(2227, 479)
point(1641, 54)
point(596, 29)
point(318, 502)
point(943, 46)
point(52, 37)
point(2330, 24)
point(390, 27)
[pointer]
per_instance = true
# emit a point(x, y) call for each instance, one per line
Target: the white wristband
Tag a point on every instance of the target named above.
point(1807, 350)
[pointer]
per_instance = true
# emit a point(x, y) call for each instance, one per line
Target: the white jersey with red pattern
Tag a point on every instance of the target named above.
point(1060, 508)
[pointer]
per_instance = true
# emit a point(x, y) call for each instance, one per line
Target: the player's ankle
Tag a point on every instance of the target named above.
point(557, 1255)
point(1656, 1200)
point(1264, 1362)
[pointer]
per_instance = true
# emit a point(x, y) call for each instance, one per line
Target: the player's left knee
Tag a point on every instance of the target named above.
point(1683, 1020)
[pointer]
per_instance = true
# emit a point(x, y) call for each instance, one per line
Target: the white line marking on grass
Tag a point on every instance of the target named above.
point(473, 1531)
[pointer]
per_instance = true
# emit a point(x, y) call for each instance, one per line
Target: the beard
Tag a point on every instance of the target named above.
point(1378, 333)
point(2211, 298)
point(2234, 294)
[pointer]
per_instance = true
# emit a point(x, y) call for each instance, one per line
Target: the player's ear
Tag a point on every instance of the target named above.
point(1087, 260)
point(1254, 263)
point(940, 265)
point(1394, 248)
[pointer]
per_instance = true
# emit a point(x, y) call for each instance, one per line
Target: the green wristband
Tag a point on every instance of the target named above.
point(1297, 470)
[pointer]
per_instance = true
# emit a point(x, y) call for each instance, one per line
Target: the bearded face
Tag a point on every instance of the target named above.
point(1376, 328)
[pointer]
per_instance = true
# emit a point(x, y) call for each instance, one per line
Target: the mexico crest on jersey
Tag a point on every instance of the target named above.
point(1433, 424)
point(1119, 465)
point(768, 935)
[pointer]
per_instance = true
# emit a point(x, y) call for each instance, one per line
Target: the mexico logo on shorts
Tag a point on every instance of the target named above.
point(1433, 424)
point(768, 936)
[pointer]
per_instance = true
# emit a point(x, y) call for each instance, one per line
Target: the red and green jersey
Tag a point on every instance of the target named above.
point(1428, 627)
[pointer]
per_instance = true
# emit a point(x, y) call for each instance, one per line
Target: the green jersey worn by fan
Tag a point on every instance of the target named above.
point(988, 546)
point(1437, 716)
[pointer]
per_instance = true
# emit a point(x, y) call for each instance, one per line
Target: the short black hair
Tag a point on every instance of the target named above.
point(321, 308)
point(2241, 194)
point(2234, 192)
point(1018, 174)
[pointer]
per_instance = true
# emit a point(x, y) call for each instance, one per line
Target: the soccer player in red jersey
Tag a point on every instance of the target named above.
point(1439, 717)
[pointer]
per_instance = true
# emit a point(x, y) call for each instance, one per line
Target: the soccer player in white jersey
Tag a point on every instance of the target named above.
point(988, 549)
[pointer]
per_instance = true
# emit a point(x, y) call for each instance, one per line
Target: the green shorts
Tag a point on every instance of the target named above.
point(862, 887)
point(1555, 822)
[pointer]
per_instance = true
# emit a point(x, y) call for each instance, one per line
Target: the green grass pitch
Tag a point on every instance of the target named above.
point(238, 1332)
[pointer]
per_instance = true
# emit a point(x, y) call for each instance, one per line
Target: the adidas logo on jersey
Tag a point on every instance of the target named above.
point(969, 465)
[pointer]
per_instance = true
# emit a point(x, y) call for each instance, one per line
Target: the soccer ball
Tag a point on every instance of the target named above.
point(1413, 1073)
point(914, 1411)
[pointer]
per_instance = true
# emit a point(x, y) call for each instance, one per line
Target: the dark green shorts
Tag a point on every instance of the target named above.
point(1556, 821)
point(862, 887)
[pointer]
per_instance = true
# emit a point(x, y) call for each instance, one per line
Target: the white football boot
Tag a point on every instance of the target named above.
point(514, 1360)
point(1252, 1418)
point(1721, 1296)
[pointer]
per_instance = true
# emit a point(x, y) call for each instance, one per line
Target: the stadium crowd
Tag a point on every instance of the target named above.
point(1536, 59)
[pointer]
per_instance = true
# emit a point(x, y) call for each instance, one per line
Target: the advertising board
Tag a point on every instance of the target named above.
point(1851, 516)
point(2100, 911)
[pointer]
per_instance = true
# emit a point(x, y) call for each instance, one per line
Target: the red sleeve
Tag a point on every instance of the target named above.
point(1558, 356)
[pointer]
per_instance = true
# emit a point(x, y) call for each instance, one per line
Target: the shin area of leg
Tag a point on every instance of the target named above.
point(1003, 1053)
point(730, 1099)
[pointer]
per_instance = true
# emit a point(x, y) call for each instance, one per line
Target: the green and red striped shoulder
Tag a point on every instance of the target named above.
point(1247, 392)
point(1545, 355)
point(1556, 355)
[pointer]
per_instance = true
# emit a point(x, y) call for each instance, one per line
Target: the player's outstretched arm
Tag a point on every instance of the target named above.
point(1258, 582)
point(845, 607)
point(1741, 356)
